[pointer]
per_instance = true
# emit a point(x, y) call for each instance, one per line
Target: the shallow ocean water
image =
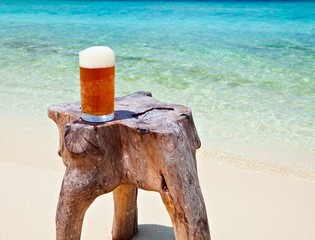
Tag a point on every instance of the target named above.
point(246, 69)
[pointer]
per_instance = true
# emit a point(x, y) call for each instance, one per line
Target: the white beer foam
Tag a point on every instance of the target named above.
point(97, 57)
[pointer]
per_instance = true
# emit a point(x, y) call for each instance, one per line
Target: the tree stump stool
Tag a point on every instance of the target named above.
point(149, 145)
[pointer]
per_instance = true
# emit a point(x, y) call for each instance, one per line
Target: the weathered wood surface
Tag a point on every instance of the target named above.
point(149, 145)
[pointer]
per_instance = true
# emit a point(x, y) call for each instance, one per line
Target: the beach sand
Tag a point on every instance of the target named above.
point(241, 203)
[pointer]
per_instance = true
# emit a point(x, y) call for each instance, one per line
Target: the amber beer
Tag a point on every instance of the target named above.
point(97, 82)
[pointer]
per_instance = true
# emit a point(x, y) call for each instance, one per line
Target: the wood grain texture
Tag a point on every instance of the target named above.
point(149, 145)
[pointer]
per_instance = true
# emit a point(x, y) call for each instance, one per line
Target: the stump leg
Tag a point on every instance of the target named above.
point(182, 196)
point(188, 222)
point(125, 225)
point(76, 195)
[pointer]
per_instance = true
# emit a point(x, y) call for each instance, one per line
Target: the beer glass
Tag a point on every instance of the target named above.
point(97, 80)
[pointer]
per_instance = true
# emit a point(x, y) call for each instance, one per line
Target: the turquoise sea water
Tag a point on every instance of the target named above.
point(247, 69)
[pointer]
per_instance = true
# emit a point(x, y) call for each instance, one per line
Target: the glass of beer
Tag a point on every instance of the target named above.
point(97, 83)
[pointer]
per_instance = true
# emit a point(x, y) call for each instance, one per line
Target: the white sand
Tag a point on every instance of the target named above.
point(241, 204)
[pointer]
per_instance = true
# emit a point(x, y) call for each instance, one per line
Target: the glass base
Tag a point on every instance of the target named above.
point(93, 118)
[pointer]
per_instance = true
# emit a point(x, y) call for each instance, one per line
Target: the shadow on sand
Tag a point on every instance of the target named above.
point(154, 232)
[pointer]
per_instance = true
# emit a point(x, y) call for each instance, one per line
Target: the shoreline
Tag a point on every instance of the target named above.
point(275, 161)
point(34, 141)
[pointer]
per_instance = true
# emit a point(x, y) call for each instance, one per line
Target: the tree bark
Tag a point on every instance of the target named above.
point(149, 145)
